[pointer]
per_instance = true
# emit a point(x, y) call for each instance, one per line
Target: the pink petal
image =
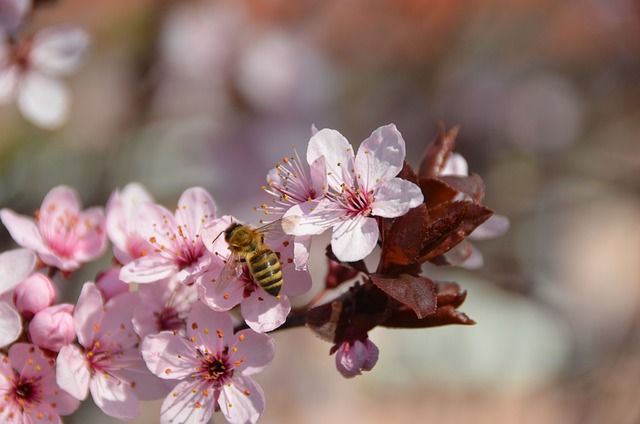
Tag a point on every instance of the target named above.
point(493, 227)
point(155, 222)
point(147, 269)
point(29, 360)
point(10, 323)
point(43, 100)
point(355, 238)
point(395, 197)
point(12, 13)
point(116, 327)
point(93, 242)
point(59, 201)
point(207, 326)
point(337, 152)
point(146, 385)
point(381, 156)
point(72, 371)
point(456, 165)
point(179, 405)
point(23, 230)
point(168, 355)
point(295, 283)
point(196, 209)
point(258, 349)
point(239, 407)
point(474, 261)
point(15, 266)
point(59, 50)
point(88, 314)
point(220, 294)
point(113, 397)
point(310, 218)
point(8, 81)
point(263, 312)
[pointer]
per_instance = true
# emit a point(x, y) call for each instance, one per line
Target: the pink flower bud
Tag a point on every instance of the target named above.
point(354, 357)
point(33, 294)
point(53, 327)
point(110, 285)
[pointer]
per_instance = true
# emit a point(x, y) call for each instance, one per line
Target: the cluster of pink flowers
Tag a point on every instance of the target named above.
point(159, 323)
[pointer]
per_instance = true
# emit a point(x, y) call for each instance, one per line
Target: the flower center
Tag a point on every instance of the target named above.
point(169, 319)
point(356, 201)
point(216, 369)
point(26, 393)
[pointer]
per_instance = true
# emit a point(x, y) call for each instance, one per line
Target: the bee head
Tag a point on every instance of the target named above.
point(228, 233)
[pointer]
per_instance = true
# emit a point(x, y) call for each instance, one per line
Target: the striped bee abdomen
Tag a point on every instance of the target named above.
point(265, 269)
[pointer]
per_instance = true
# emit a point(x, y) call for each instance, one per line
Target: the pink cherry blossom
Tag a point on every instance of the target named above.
point(107, 363)
point(214, 366)
point(28, 389)
point(34, 294)
point(175, 247)
point(15, 266)
point(289, 184)
point(121, 230)
point(110, 284)
point(12, 14)
point(164, 306)
point(63, 235)
point(53, 327)
point(362, 187)
point(30, 71)
point(355, 356)
point(261, 311)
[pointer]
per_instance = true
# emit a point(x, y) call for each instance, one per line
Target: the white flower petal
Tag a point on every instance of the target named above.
point(493, 227)
point(180, 405)
point(381, 156)
point(15, 266)
point(337, 152)
point(395, 197)
point(10, 324)
point(72, 371)
point(242, 402)
point(8, 82)
point(355, 238)
point(59, 50)
point(456, 165)
point(114, 398)
point(263, 312)
point(43, 100)
point(310, 218)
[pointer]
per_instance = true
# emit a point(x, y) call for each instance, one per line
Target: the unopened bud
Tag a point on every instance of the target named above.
point(34, 294)
point(53, 327)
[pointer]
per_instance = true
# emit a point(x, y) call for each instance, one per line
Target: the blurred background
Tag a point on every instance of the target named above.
point(547, 94)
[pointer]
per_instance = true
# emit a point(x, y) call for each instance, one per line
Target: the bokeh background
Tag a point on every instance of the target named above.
point(547, 94)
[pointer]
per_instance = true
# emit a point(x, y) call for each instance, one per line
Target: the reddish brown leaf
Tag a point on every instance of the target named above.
point(438, 152)
point(456, 256)
point(327, 321)
point(403, 317)
point(416, 292)
point(403, 239)
point(407, 173)
point(436, 192)
point(449, 293)
point(450, 223)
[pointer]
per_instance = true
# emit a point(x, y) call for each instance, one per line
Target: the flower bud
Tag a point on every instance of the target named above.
point(53, 327)
point(356, 356)
point(33, 294)
point(110, 285)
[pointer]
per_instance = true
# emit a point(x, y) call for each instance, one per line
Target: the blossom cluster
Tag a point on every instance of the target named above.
point(184, 313)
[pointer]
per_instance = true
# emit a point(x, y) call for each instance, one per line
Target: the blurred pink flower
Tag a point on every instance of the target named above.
point(12, 14)
point(127, 243)
point(363, 186)
point(352, 357)
point(63, 235)
point(107, 362)
point(15, 265)
point(53, 327)
point(261, 311)
point(30, 71)
point(110, 284)
point(28, 389)
point(175, 247)
point(34, 294)
point(214, 366)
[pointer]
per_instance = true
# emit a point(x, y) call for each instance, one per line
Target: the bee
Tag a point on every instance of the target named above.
point(247, 245)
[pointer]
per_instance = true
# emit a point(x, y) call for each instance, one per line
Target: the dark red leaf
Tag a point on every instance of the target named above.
point(436, 192)
point(407, 173)
point(437, 153)
point(416, 292)
point(456, 256)
point(403, 239)
point(328, 321)
point(403, 317)
point(450, 223)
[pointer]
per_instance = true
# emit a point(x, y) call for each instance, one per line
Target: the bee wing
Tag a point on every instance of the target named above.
point(232, 269)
